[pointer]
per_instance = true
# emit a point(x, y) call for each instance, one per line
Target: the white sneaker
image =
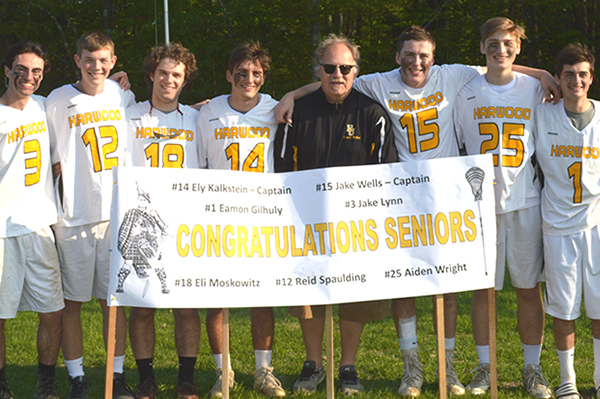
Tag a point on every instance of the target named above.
point(266, 383)
point(453, 384)
point(412, 380)
point(481, 381)
point(535, 383)
point(217, 389)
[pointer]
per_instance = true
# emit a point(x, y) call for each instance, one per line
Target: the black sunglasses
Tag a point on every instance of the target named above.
point(344, 69)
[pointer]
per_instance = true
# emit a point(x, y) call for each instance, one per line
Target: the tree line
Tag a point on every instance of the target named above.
point(290, 30)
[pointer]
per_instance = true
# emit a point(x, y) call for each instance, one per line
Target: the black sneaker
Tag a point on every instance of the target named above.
point(45, 387)
point(80, 387)
point(120, 388)
point(350, 383)
point(5, 392)
point(310, 378)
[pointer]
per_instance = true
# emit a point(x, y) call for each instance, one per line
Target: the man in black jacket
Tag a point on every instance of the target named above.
point(335, 126)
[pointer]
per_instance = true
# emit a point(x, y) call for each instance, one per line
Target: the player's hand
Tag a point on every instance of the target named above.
point(198, 106)
point(551, 88)
point(56, 170)
point(122, 79)
point(285, 109)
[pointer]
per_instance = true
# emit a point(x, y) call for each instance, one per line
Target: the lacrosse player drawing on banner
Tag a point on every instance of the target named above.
point(140, 235)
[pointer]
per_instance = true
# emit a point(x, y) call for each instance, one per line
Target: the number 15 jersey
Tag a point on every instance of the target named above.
point(233, 140)
point(87, 137)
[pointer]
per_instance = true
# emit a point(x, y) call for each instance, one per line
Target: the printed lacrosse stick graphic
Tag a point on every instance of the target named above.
point(475, 178)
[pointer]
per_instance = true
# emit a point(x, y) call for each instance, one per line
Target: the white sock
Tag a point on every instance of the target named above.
point(219, 360)
point(408, 333)
point(483, 351)
point(597, 363)
point(531, 354)
point(262, 359)
point(118, 364)
point(567, 370)
point(75, 367)
point(449, 343)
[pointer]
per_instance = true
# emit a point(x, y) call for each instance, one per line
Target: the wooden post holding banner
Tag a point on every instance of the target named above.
point(329, 350)
point(110, 350)
point(441, 344)
point(225, 369)
point(492, 341)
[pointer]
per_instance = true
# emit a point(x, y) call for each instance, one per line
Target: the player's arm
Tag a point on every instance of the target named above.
point(198, 106)
point(285, 109)
point(56, 170)
point(122, 79)
point(551, 88)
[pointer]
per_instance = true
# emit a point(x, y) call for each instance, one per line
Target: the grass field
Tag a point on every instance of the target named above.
point(379, 362)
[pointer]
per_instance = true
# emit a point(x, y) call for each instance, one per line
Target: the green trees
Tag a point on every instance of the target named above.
point(290, 29)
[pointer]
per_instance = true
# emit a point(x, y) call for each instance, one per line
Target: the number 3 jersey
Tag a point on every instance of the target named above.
point(87, 137)
point(570, 160)
point(236, 141)
point(421, 118)
point(162, 140)
point(26, 193)
point(487, 121)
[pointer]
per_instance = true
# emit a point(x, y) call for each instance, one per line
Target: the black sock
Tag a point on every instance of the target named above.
point(145, 369)
point(186, 368)
point(46, 370)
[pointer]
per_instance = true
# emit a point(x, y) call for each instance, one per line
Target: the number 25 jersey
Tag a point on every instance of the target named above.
point(233, 140)
point(87, 137)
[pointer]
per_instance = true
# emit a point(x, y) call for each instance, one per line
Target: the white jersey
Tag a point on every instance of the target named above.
point(162, 140)
point(500, 124)
point(570, 160)
point(88, 135)
point(421, 118)
point(236, 141)
point(26, 193)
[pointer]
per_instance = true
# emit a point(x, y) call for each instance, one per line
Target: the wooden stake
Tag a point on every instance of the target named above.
point(225, 369)
point(441, 344)
point(329, 350)
point(110, 350)
point(492, 340)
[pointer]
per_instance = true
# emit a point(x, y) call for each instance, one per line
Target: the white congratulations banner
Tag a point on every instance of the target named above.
point(187, 238)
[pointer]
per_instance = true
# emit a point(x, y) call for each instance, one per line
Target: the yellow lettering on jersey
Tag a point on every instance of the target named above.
point(501, 112)
point(415, 105)
point(95, 116)
point(241, 132)
point(26, 130)
point(569, 151)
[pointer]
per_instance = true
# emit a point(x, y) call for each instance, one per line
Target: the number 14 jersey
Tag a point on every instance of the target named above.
point(233, 140)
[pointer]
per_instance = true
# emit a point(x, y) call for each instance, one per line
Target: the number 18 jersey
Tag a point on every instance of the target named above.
point(87, 137)
point(570, 160)
point(162, 140)
point(237, 141)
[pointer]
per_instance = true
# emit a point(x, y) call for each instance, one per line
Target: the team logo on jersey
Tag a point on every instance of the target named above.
point(351, 132)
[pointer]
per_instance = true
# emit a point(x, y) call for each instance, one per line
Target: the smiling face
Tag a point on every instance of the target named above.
point(246, 80)
point(500, 50)
point(336, 85)
point(95, 67)
point(167, 82)
point(415, 60)
point(25, 76)
point(575, 81)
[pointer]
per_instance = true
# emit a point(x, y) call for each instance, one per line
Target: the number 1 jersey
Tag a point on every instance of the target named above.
point(87, 137)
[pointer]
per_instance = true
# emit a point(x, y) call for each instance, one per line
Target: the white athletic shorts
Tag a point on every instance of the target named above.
point(29, 274)
point(519, 244)
point(573, 271)
point(84, 253)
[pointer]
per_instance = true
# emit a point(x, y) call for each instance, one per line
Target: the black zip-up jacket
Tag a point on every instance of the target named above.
point(355, 132)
